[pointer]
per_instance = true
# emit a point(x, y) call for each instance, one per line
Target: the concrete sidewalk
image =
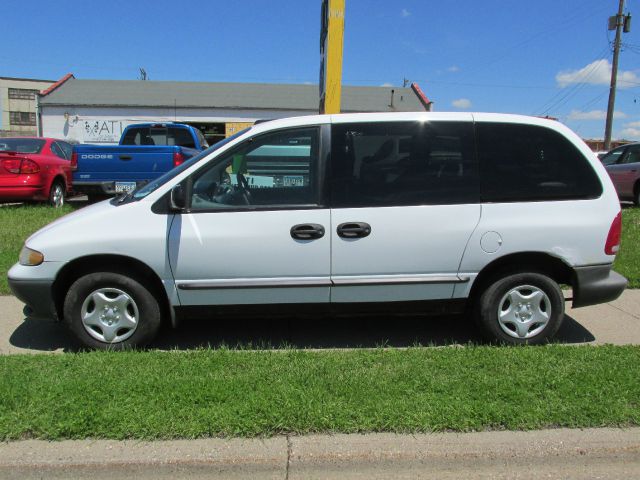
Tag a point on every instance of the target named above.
point(616, 322)
point(561, 453)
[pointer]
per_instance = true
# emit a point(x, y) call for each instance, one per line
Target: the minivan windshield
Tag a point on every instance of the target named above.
point(158, 182)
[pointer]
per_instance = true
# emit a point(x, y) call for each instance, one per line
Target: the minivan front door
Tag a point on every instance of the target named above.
point(404, 203)
point(254, 232)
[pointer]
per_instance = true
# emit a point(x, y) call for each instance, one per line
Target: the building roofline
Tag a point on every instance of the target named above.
point(421, 96)
point(26, 79)
point(57, 84)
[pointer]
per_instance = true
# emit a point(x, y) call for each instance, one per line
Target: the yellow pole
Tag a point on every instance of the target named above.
point(333, 57)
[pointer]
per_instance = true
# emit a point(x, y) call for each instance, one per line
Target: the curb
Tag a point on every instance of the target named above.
point(589, 453)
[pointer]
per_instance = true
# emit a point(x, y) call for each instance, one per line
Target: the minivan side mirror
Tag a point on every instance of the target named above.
point(179, 198)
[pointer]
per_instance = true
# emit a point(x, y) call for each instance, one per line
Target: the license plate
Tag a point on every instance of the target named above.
point(293, 181)
point(125, 187)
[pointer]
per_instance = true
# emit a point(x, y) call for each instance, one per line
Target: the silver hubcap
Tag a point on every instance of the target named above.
point(524, 311)
point(57, 196)
point(109, 315)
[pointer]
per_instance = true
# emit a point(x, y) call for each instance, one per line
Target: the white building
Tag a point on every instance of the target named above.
point(97, 111)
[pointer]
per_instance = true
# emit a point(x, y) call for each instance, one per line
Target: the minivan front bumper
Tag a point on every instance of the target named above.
point(596, 284)
point(33, 285)
point(36, 295)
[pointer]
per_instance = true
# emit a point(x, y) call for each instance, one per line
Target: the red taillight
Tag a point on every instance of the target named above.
point(178, 158)
point(12, 166)
point(20, 165)
point(74, 161)
point(29, 166)
point(613, 239)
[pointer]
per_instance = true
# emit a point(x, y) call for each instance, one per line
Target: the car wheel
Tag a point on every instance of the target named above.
point(636, 195)
point(56, 194)
point(111, 311)
point(522, 308)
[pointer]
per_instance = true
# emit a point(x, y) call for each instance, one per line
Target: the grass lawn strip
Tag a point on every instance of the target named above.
point(202, 393)
point(17, 223)
point(628, 260)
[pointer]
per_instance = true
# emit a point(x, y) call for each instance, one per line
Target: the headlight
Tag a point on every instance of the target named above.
point(30, 258)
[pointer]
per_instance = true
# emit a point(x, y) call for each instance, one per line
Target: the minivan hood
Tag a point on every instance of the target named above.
point(97, 209)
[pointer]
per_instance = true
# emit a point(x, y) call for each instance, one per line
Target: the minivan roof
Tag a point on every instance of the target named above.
point(401, 116)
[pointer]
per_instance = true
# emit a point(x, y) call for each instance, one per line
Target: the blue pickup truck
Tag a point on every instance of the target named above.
point(145, 152)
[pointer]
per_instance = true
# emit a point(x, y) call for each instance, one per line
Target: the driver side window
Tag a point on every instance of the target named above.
point(276, 169)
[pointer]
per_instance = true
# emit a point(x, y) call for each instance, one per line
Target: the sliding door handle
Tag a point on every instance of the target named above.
point(307, 231)
point(354, 230)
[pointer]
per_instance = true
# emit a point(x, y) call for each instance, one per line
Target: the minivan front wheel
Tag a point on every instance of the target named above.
point(107, 310)
point(522, 308)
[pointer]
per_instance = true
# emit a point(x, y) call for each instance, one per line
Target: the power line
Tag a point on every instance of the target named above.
point(562, 96)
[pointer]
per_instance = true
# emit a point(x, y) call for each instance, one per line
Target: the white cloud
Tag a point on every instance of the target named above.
point(632, 125)
point(462, 103)
point(453, 69)
point(593, 115)
point(405, 13)
point(630, 134)
point(597, 73)
point(387, 84)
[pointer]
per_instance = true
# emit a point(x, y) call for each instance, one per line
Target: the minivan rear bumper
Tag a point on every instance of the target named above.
point(596, 284)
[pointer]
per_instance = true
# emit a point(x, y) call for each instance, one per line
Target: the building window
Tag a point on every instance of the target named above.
point(22, 94)
point(22, 118)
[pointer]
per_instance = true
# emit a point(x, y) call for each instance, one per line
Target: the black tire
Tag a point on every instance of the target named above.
point(495, 303)
point(57, 194)
point(636, 195)
point(141, 305)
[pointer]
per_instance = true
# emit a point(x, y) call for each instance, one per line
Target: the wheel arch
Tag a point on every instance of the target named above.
point(521, 262)
point(109, 263)
point(59, 177)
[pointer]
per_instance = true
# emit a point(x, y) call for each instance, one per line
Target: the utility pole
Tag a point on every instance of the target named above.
point(619, 22)
point(331, 43)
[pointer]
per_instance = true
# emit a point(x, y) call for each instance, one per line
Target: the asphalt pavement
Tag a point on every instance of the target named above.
point(616, 323)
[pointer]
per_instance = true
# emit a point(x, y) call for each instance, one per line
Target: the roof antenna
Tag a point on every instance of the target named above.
point(143, 74)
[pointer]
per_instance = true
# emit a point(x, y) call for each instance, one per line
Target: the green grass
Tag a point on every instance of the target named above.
point(628, 260)
point(204, 393)
point(18, 222)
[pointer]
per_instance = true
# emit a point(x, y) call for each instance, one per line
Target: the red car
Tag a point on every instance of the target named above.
point(35, 169)
point(623, 165)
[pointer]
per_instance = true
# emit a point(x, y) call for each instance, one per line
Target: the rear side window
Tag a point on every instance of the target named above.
point(612, 157)
point(57, 151)
point(403, 163)
point(181, 137)
point(526, 162)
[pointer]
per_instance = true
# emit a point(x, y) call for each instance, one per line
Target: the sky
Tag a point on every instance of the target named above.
point(542, 57)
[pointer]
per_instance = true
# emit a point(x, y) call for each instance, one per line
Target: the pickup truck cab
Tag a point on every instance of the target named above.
point(145, 152)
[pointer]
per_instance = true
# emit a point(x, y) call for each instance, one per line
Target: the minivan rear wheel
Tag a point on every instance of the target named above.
point(110, 311)
point(521, 308)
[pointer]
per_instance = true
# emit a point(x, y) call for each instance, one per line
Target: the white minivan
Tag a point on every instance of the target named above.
point(488, 214)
